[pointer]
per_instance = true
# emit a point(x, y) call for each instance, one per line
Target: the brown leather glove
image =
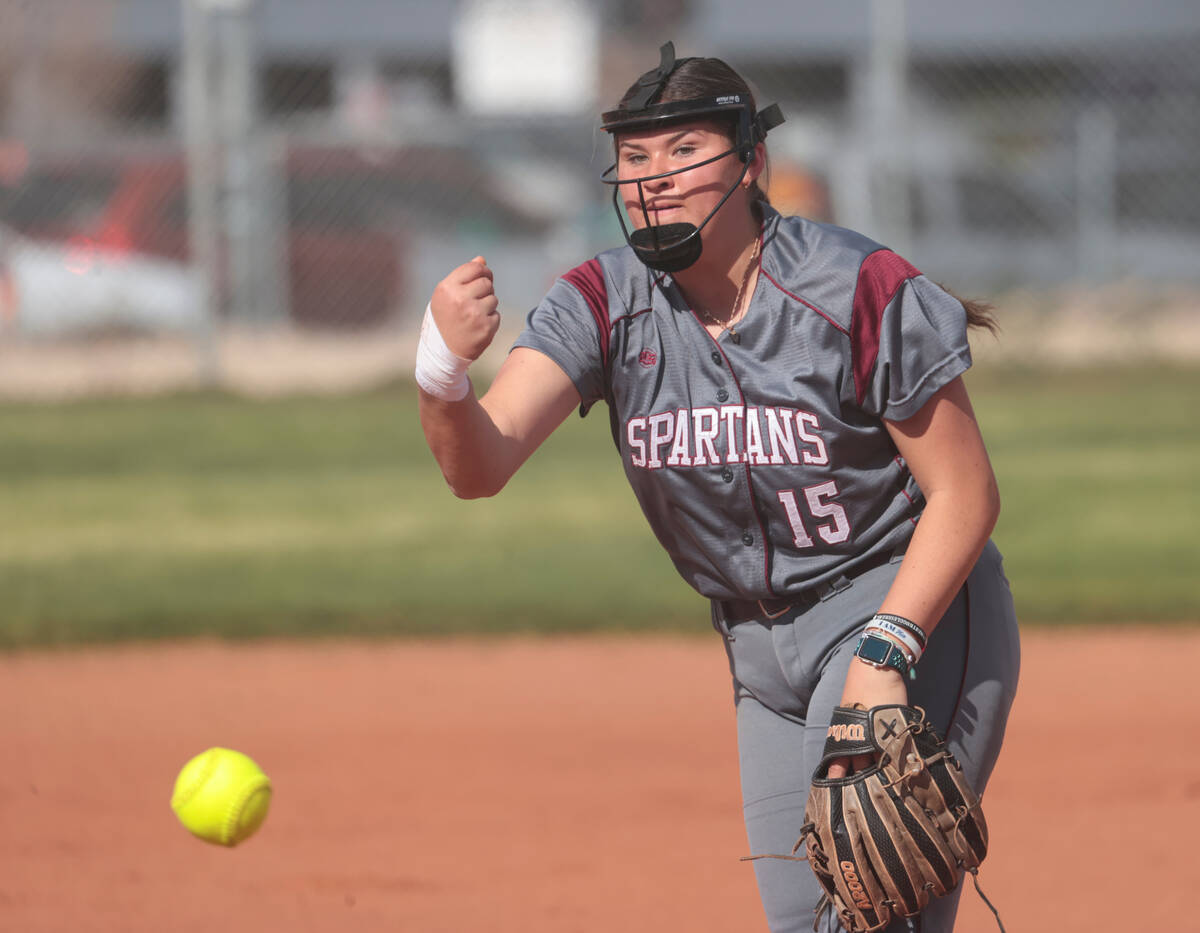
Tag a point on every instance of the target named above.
point(884, 841)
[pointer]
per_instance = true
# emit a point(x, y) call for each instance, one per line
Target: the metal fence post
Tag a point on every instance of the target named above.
point(887, 100)
point(202, 180)
point(1096, 191)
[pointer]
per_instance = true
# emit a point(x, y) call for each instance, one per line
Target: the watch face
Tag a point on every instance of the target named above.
point(874, 649)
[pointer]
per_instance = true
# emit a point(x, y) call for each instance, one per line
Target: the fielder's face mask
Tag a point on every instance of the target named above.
point(675, 246)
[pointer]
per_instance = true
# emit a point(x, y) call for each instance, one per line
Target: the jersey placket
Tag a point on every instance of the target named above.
point(721, 359)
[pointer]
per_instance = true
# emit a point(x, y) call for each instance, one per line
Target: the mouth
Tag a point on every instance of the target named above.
point(662, 210)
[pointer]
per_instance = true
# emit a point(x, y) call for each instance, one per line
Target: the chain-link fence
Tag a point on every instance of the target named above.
point(194, 164)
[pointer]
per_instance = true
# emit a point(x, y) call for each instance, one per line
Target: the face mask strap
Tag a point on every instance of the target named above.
point(687, 168)
point(616, 184)
point(653, 228)
point(732, 189)
point(611, 170)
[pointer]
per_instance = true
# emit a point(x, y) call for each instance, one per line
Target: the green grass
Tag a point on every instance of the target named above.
point(1100, 477)
point(213, 515)
point(206, 514)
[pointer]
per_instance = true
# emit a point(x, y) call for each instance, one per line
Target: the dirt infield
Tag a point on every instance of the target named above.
point(539, 785)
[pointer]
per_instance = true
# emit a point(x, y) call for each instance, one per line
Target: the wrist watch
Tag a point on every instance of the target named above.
point(881, 653)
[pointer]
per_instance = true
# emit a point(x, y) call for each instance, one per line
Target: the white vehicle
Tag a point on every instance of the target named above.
point(76, 288)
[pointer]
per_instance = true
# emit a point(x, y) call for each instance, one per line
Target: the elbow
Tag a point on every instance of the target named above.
point(473, 492)
point(474, 488)
point(992, 503)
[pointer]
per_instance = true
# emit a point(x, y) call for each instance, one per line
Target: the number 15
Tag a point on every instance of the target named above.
point(833, 533)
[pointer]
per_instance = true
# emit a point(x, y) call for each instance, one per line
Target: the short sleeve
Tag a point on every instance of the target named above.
point(909, 338)
point(565, 327)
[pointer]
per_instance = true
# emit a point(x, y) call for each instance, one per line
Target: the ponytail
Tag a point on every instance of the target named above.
point(979, 313)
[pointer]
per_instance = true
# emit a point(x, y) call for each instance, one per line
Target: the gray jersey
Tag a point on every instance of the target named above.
point(762, 465)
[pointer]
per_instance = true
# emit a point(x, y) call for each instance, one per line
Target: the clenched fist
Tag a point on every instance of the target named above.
point(465, 307)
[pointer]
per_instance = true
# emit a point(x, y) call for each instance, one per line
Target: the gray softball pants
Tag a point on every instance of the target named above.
point(788, 675)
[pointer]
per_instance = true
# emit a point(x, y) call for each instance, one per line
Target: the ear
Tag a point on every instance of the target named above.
point(758, 162)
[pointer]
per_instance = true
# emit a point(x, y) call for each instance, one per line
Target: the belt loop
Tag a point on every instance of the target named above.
point(833, 587)
point(719, 622)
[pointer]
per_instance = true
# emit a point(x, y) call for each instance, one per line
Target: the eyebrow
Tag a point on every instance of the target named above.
point(671, 141)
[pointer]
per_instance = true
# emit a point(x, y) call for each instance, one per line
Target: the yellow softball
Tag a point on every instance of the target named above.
point(221, 796)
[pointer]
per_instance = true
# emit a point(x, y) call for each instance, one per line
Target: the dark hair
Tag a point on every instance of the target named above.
point(979, 313)
point(695, 78)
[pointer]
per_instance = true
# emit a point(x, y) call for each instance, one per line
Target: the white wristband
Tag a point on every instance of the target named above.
point(440, 371)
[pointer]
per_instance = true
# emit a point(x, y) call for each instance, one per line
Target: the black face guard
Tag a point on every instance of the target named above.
point(673, 247)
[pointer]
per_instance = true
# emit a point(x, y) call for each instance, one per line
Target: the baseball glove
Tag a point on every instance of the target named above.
point(885, 841)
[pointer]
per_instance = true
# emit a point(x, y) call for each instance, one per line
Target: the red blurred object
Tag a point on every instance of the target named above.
point(14, 161)
point(342, 271)
point(8, 297)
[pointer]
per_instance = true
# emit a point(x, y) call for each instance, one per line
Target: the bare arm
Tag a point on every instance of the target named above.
point(945, 452)
point(480, 443)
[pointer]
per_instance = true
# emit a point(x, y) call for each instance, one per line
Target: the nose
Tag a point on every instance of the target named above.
point(656, 166)
point(656, 185)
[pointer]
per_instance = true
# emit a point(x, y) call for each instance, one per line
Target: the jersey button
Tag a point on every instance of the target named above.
point(727, 475)
point(716, 357)
point(747, 538)
point(722, 395)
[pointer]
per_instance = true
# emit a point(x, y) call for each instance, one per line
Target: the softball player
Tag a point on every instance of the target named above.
point(787, 402)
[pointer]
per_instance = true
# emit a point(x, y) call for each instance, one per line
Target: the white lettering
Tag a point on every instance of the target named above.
point(694, 438)
point(680, 455)
point(779, 431)
point(731, 415)
point(800, 536)
point(821, 457)
point(636, 444)
point(704, 436)
point(665, 420)
point(839, 531)
point(754, 442)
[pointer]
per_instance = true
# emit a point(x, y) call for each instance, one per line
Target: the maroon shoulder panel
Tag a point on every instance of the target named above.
point(879, 278)
point(588, 280)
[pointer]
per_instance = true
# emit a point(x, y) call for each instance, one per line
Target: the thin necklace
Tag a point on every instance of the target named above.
point(737, 302)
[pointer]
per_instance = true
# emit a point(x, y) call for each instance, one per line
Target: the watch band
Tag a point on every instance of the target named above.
point(881, 653)
point(913, 649)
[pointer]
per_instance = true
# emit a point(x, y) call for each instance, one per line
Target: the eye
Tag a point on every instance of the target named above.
point(685, 150)
point(633, 158)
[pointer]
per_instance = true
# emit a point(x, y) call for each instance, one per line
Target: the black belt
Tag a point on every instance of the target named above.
point(736, 611)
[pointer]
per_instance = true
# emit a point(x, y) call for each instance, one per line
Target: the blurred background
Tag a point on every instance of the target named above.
point(254, 198)
point(198, 164)
point(220, 222)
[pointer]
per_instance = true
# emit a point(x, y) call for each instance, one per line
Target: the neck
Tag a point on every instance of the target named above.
point(712, 284)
